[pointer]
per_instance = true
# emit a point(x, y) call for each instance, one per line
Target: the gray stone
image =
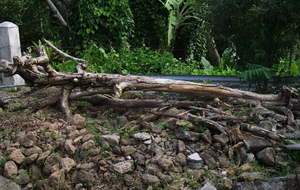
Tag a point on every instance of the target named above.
point(22, 178)
point(32, 158)
point(32, 150)
point(267, 156)
point(79, 121)
point(142, 136)
point(254, 143)
point(251, 176)
point(227, 184)
point(166, 164)
point(117, 150)
point(109, 140)
point(224, 161)
point(7, 184)
point(52, 160)
point(177, 184)
point(222, 138)
point(151, 180)
point(153, 169)
point(180, 159)
point(206, 136)
point(147, 117)
point(17, 156)
point(10, 46)
point(196, 174)
point(87, 166)
point(187, 135)
point(147, 142)
point(29, 140)
point(128, 150)
point(155, 149)
point(208, 186)
point(245, 168)
point(20, 135)
point(35, 172)
point(250, 157)
point(10, 169)
point(240, 155)
point(140, 158)
point(154, 128)
point(195, 165)
point(278, 183)
point(122, 120)
point(208, 160)
point(43, 184)
point(181, 146)
point(69, 147)
point(67, 164)
point(57, 178)
point(88, 137)
point(194, 158)
point(88, 144)
point(29, 186)
point(173, 111)
point(124, 167)
point(164, 178)
point(43, 156)
point(184, 124)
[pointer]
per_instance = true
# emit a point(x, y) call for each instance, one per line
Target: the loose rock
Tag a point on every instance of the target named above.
point(10, 169)
point(17, 156)
point(124, 167)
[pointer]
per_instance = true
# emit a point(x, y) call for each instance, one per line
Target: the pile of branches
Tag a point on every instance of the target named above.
point(101, 89)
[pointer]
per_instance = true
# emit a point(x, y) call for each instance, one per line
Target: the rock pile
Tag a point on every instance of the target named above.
point(146, 152)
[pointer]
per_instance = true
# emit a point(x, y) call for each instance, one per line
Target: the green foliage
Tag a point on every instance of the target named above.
point(150, 19)
point(34, 19)
point(136, 61)
point(3, 161)
point(179, 12)
point(107, 23)
point(262, 31)
point(57, 61)
point(285, 68)
point(257, 73)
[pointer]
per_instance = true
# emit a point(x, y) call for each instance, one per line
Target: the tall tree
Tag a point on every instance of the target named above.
point(262, 31)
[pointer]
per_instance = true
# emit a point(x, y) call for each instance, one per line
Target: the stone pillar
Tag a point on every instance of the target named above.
point(9, 47)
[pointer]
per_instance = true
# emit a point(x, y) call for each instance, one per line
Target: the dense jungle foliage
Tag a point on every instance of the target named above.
point(255, 39)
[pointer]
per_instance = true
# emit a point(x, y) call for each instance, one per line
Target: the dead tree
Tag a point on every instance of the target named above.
point(94, 86)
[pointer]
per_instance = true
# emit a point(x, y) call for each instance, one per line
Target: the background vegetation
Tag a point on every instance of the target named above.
point(255, 39)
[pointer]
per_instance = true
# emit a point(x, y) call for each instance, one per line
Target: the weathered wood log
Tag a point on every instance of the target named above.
point(261, 132)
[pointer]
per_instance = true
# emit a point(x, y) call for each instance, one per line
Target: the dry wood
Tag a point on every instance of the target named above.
point(190, 117)
point(100, 83)
point(261, 132)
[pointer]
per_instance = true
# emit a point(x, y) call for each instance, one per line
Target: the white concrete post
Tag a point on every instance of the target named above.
point(9, 47)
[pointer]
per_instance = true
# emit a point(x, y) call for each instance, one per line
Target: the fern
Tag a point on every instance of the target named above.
point(258, 73)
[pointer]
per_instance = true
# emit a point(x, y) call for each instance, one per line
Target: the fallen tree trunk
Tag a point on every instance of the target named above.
point(100, 83)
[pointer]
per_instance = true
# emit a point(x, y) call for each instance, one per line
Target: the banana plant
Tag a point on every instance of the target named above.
point(179, 12)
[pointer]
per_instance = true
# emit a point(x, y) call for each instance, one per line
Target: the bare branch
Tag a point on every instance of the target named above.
point(81, 67)
point(56, 13)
